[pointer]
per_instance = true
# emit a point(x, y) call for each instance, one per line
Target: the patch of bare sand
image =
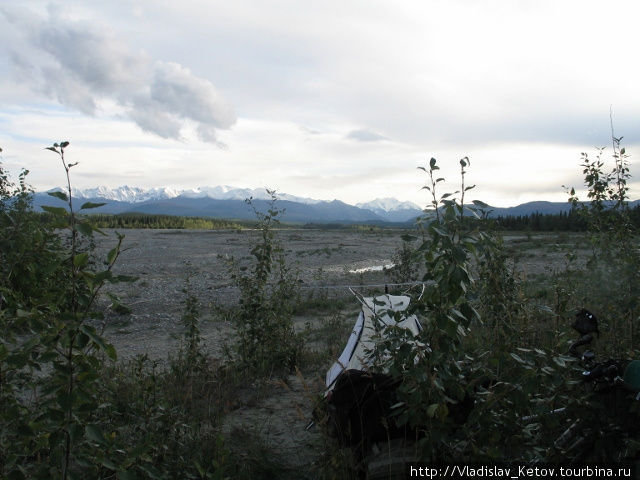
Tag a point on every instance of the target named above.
point(277, 423)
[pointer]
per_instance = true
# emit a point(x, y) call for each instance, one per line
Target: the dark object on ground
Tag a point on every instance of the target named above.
point(586, 323)
point(359, 409)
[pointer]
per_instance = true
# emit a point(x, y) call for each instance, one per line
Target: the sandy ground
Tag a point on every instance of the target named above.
point(164, 259)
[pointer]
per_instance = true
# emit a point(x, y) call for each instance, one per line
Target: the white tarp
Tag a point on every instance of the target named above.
point(380, 309)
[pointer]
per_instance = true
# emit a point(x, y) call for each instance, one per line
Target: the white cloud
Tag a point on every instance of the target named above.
point(363, 135)
point(82, 63)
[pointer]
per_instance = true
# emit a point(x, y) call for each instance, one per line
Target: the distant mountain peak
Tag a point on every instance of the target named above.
point(388, 204)
point(392, 209)
point(126, 193)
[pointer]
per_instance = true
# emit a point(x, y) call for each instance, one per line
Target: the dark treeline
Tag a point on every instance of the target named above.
point(565, 221)
point(572, 221)
point(162, 221)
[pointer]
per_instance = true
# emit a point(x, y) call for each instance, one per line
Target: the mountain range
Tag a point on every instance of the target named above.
point(228, 202)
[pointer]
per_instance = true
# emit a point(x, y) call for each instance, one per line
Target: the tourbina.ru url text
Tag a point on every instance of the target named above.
point(518, 472)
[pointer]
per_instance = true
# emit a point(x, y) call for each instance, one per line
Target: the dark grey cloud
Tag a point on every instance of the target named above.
point(80, 64)
point(67, 90)
point(364, 136)
point(152, 117)
point(189, 96)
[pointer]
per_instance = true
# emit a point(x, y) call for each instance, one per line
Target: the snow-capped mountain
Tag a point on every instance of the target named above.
point(228, 202)
point(129, 194)
point(392, 209)
point(126, 193)
point(226, 192)
point(387, 205)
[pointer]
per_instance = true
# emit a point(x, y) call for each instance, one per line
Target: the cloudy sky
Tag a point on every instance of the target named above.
point(333, 99)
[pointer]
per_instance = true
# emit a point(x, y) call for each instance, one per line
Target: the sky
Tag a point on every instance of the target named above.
point(332, 99)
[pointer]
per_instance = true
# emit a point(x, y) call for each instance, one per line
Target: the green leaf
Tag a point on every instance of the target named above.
point(59, 223)
point(440, 231)
point(88, 205)
point(546, 309)
point(433, 408)
point(517, 358)
point(108, 463)
point(111, 256)
point(60, 195)
point(127, 475)
point(81, 341)
point(99, 341)
point(451, 328)
point(102, 276)
point(560, 361)
point(80, 260)
point(53, 149)
point(94, 433)
point(84, 228)
point(432, 162)
point(58, 211)
point(75, 432)
point(110, 351)
point(88, 376)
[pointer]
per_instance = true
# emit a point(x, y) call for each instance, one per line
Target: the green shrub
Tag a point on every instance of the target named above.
point(611, 281)
point(30, 251)
point(405, 262)
point(65, 410)
point(458, 367)
point(266, 340)
point(54, 353)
